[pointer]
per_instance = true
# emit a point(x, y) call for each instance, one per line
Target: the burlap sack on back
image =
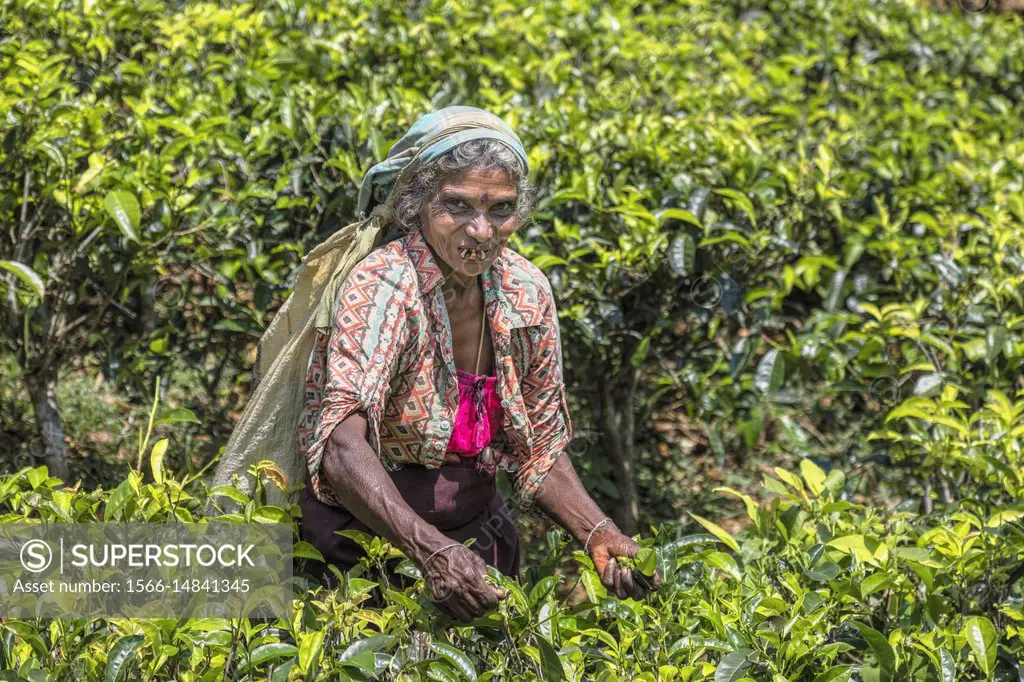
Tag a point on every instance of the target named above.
point(267, 427)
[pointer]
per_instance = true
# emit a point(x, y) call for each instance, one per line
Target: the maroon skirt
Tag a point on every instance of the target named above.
point(460, 499)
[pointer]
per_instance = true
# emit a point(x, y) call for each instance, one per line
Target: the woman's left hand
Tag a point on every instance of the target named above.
point(605, 546)
point(563, 498)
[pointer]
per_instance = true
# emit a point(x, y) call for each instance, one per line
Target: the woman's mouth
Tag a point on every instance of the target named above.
point(473, 255)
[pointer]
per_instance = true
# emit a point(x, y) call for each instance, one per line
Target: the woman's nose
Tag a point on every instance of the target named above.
point(480, 228)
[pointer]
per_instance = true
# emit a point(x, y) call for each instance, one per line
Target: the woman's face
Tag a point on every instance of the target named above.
point(471, 218)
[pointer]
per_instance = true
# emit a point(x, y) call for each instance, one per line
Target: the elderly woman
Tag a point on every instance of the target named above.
point(444, 363)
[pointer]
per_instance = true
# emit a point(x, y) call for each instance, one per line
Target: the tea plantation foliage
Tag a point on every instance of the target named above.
point(786, 230)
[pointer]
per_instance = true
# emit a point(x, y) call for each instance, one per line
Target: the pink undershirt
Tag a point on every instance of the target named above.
point(479, 415)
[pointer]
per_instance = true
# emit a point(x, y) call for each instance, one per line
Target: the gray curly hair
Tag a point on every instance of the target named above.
point(481, 154)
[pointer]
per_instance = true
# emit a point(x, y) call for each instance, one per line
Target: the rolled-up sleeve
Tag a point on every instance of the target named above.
point(543, 390)
point(361, 359)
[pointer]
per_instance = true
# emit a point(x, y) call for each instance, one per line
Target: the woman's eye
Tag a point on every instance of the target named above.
point(504, 208)
point(456, 205)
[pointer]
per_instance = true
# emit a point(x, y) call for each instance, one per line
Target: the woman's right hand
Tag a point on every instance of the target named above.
point(455, 581)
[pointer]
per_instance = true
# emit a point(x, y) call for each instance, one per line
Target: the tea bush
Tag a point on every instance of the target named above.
point(816, 589)
point(788, 233)
point(766, 223)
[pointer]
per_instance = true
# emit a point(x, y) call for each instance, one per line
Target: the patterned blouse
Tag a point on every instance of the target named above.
point(389, 353)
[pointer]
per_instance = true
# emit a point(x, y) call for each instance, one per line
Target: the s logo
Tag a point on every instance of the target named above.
point(36, 555)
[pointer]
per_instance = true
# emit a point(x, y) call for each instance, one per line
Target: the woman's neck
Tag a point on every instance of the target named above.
point(458, 288)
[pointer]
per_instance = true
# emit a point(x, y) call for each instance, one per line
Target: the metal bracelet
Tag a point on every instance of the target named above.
point(586, 545)
point(436, 552)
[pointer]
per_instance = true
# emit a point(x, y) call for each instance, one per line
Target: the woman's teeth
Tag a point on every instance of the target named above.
point(471, 254)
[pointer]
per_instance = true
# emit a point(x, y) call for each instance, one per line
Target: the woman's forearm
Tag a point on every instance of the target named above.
point(563, 498)
point(352, 469)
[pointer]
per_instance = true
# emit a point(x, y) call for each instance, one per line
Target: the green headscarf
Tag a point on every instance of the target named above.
point(430, 137)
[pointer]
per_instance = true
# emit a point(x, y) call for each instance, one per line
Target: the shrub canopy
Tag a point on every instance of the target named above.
point(787, 231)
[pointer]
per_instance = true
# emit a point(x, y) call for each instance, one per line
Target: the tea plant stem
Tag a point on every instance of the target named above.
point(235, 627)
point(511, 640)
point(149, 427)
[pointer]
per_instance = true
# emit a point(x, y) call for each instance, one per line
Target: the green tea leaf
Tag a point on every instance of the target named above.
point(948, 666)
point(179, 415)
point(840, 673)
point(156, 460)
point(813, 476)
point(678, 214)
point(881, 648)
point(742, 202)
point(311, 651)
point(640, 354)
point(371, 644)
point(304, 550)
point(26, 275)
point(733, 666)
point(824, 573)
point(550, 663)
point(120, 657)
point(267, 652)
point(124, 209)
point(770, 372)
point(682, 253)
point(995, 339)
point(981, 636)
point(855, 545)
point(717, 531)
point(596, 591)
point(724, 563)
point(440, 671)
point(456, 658)
point(646, 561)
point(543, 589)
